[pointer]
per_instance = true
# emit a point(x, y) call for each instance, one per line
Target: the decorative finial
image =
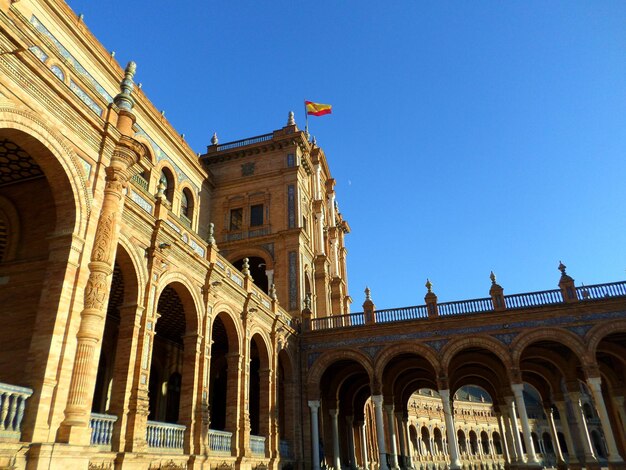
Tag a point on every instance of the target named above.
point(307, 301)
point(273, 295)
point(291, 120)
point(314, 141)
point(161, 189)
point(492, 276)
point(245, 269)
point(139, 85)
point(81, 17)
point(162, 113)
point(368, 294)
point(124, 100)
point(182, 136)
point(214, 140)
point(562, 268)
point(112, 53)
point(429, 285)
point(211, 239)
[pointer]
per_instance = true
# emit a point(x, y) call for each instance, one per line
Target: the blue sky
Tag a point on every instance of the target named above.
point(465, 136)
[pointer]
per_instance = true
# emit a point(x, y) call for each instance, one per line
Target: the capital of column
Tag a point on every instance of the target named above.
point(334, 413)
point(517, 388)
point(595, 383)
point(314, 405)
point(377, 400)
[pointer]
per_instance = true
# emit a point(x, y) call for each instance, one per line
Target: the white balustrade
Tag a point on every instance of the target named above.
point(220, 441)
point(12, 405)
point(257, 445)
point(165, 435)
point(101, 429)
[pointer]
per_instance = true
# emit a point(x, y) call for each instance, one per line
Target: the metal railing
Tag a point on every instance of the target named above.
point(165, 435)
point(244, 142)
point(12, 404)
point(257, 445)
point(101, 428)
point(220, 441)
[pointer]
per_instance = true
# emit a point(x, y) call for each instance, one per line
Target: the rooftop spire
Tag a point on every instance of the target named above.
point(124, 100)
point(291, 121)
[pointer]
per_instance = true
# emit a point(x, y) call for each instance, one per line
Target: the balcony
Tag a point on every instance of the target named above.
point(12, 406)
point(257, 445)
point(165, 435)
point(101, 429)
point(220, 441)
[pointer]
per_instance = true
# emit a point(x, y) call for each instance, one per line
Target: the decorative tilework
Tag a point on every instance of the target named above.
point(270, 248)
point(580, 330)
point(145, 205)
point(438, 344)
point(70, 58)
point(41, 55)
point(220, 264)
point(58, 72)
point(291, 205)
point(371, 351)
point(197, 248)
point(506, 338)
point(173, 225)
point(311, 358)
point(293, 287)
point(87, 168)
point(85, 98)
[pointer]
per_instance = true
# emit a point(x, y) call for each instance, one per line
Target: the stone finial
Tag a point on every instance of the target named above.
point(214, 140)
point(429, 286)
point(291, 121)
point(124, 99)
point(368, 294)
point(307, 301)
point(492, 276)
point(273, 295)
point(314, 141)
point(211, 239)
point(562, 268)
point(81, 17)
point(245, 269)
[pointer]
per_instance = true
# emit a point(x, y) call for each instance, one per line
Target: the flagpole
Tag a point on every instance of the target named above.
point(306, 121)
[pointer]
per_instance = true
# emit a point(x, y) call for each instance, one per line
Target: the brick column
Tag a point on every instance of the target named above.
point(265, 408)
point(233, 400)
point(75, 427)
point(189, 387)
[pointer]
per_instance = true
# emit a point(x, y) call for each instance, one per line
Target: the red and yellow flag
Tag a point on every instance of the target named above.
point(317, 109)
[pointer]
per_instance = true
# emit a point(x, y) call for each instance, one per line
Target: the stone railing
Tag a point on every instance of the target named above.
point(257, 445)
point(241, 143)
point(101, 429)
point(12, 405)
point(285, 449)
point(220, 441)
point(165, 435)
point(466, 307)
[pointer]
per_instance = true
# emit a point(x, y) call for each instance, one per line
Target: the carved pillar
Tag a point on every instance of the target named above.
point(595, 386)
point(75, 427)
point(518, 390)
point(380, 431)
point(453, 445)
point(314, 405)
point(571, 449)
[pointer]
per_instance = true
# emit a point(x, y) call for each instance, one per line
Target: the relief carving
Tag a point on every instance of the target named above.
point(102, 246)
point(96, 291)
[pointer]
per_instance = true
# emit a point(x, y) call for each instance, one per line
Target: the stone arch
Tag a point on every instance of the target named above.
point(26, 127)
point(233, 328)
point(138, 265)
point(326, 360)
point(252, 251)
point(557, 335)
point(189, 296)
point(187, 192)
point(481, 341)
point(172, 184)
point(149, 150)
point(265, 342)
point(387, 354)
point(599, 332)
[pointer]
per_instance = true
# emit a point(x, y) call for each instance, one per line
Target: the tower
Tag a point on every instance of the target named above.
point(273, 202)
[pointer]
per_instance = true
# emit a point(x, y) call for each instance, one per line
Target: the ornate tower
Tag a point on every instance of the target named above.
point(273, 202)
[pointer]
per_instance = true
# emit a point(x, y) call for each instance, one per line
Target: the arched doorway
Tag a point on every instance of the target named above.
point(285, 403)
point(259, 395)
point(257, 266)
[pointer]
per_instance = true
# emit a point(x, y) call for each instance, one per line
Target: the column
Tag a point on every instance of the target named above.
point(351, 443)
point(380, 431)
point(75, 427)
point(453, 445)
point(334, 414)
point(315, 437)
point(595, 386)
point(618, 402)
point(519, 450)
point(518, 390)
point(364, 458)
point(393, 451)
point(581, 425)
point(556, 445)
point(571, 450)
point(401, 442)
point(505, 436)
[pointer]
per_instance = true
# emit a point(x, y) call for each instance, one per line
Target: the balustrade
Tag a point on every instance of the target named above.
point(101, 428)
point(220, 441)
point(285, 449)
point(165, 435)
point(257, 445)
point(12, 404)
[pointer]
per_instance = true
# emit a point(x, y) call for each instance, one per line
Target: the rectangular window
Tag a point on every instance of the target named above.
point(256, 215)
point(291, 160)
point(291, 205)
point(236, 219)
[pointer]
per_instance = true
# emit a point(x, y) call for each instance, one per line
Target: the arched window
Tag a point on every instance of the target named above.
point(167, 180)
point(58, 72)
point(186, 205)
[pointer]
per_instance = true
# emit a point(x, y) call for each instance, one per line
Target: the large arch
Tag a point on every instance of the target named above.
point(327, 359)
point(417, 349)
point(480, 341)
point(555, 335)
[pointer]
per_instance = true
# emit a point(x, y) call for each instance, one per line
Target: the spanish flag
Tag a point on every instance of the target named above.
point(317, 109)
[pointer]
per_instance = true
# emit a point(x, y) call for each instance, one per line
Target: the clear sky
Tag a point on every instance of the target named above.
point(465, 136)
